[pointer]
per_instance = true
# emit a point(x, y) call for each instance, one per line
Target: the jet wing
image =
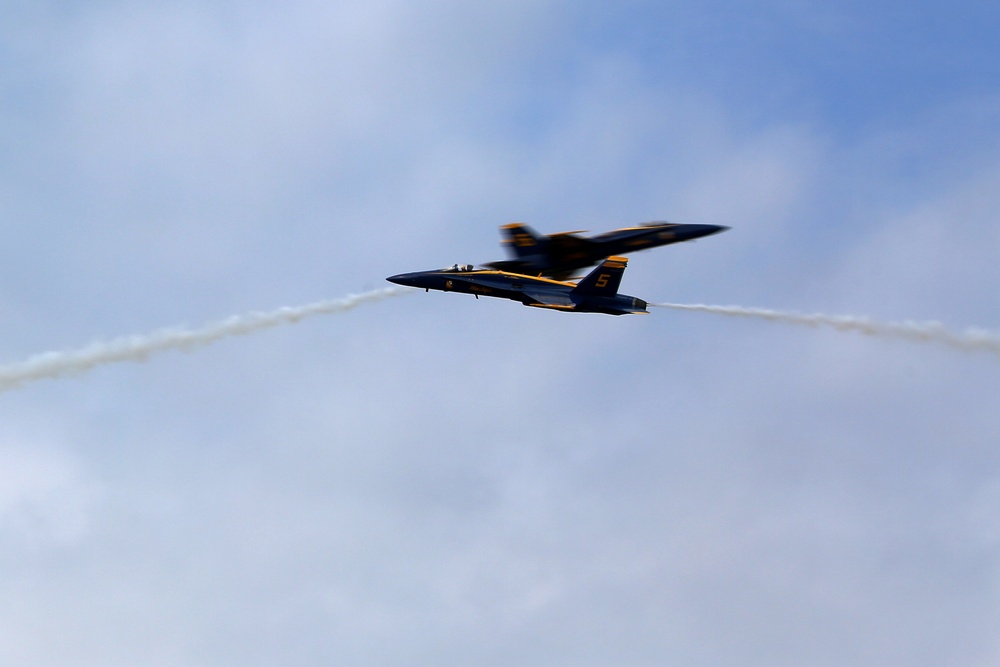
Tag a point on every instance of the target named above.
point(547, 299)
point(567, 243)
point(567, 253)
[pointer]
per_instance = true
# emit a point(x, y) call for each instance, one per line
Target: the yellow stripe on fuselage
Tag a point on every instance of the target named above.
point(508, 274)
point(646, 228)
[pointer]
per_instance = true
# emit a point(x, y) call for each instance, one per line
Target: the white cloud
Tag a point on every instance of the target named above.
point(45, 499)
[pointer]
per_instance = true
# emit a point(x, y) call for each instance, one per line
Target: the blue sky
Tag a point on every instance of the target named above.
point(437, 478)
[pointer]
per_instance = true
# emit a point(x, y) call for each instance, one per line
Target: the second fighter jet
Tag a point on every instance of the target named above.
point(560, 255)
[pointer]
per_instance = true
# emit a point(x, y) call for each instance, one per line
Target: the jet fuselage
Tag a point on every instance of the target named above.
point(531, 290)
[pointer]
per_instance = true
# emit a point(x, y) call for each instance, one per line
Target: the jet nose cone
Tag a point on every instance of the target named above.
point(405, 279)
point(698, 231)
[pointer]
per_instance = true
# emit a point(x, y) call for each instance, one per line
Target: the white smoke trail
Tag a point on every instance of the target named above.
point(139, 348)
point(969, 340)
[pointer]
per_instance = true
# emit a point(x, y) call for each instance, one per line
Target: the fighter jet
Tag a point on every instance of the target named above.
point(596, 293)
point(558, 256)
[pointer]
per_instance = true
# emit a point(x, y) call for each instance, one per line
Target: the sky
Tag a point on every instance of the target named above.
point(438, 479)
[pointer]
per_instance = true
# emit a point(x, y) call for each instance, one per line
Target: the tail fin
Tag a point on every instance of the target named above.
point(523, 240)
point(605, 279)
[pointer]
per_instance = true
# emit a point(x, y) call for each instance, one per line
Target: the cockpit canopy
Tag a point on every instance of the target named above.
point(459, 268)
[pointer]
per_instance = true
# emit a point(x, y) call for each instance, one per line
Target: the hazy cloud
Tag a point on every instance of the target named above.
point(441, 478)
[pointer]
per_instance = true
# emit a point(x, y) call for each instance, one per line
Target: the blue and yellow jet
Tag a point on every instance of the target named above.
point(596, 293)
point(560, 255)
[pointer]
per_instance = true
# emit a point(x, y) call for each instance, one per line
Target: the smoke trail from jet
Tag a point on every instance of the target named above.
point(140, 348)
point(969, 340)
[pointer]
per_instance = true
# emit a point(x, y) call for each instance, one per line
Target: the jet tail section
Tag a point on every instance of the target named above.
point(605, 279)
point(523, 240)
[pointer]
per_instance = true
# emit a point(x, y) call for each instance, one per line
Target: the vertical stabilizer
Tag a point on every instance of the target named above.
point(522, 241)
point(605, 279)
